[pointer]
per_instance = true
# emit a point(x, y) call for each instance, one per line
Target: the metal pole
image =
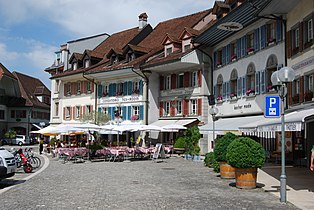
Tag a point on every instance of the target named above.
point(213, 128)
point(283, 176)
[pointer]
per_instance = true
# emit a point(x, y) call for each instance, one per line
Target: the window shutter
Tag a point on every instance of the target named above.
point(82, 87)
point(161, 82)
point(215, 59)
point(239, 86)
point(244, 85)
point(301, 37)
point(199, 107)
point(141, 114)
point(114, 89)
point(129, 88)
point(278, 30)
point(263, 37)
point(306, 83)
point(301, 89)
point(73, 88)
point(124, 112)
point(186, 79)
point(129, 114)
point(111, 113)
point(161, 109)
point(110, 90)
point(199, 78)
point(263, 85)
point(99, 91)
point(289, 49)
point(65, 89)
point(224, 51)
point(81, 111)
point(239, 48)
point(256, 39)
point(257, 82)
point(228, 89)
point(215, 91)
point(224, 91)
point(243, 46)
point(186, 107)
point(228, 54)
point(64, 113)
point(173, 81)
point(92, 87)
point(125, 88)
point(141, 87)
point(71, 112)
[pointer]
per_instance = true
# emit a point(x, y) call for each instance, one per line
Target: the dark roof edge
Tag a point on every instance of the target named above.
point(88, 37)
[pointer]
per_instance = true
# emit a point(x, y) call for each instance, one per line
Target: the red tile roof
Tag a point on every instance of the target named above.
point(31, 87)
point(5, 71)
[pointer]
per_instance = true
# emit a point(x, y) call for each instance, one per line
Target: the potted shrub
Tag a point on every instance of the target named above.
point(246, 155)
point(210, 162)
point(179, 145)
point(192, 137)
point(220, 152)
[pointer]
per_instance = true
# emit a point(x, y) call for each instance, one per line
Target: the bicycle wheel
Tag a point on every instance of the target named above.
point(38, 161)
point(27, 168)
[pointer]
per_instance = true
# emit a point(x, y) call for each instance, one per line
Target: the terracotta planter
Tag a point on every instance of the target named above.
point(226, 171)
point(246, 178)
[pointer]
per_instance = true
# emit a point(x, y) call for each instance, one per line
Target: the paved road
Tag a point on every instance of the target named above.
point(173, 184)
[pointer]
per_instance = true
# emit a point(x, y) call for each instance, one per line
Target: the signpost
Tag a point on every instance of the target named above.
point(272, 106)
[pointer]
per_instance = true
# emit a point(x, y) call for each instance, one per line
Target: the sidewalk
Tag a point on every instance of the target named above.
point(300, 184)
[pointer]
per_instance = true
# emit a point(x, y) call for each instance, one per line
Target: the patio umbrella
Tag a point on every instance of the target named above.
point(150, 128)
point(48, 131)
point(88, 126)
point(173, 127)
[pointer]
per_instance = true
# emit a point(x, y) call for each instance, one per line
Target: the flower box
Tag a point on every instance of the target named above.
point(136, 91)
point(233, 58)
point(271, 41)
point(134, 117)
point(233, 95)
point(219, 64)
point(119, 93)
point(250, 92)
point(104, 94)
point(219, 98)
point(250, 50)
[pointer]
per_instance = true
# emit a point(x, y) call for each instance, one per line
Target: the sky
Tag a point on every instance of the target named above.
point(32, 30)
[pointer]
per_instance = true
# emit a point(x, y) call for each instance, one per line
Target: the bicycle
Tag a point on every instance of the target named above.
point(34, 160)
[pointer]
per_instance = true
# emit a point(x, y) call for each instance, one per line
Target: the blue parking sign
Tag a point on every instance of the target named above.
point(272, 106)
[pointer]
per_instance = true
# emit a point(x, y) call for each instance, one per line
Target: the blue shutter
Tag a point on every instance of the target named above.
point(263, 37)
point(215, 60)
point(125, 88)
point(262, 86)
point(244, 85)
point(239, 84)
point(124, 114)
point(278, 30)
point(257, 82)
point(256, 39)
point(228, 89)
point(228, 56)
point(239, 47)
point(224, 55)
point(114, 89)
point(110, 90)
point(111, 113)
point(141, 87)
point(129, 113)
point(129, 88)
point(141, 117)
point(224, 91)
point(215, 91)
point(99, 109)
point(243, 46)
point(99, 91)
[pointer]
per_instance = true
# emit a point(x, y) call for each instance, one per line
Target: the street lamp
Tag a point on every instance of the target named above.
point(213, 111)
point(281, 78)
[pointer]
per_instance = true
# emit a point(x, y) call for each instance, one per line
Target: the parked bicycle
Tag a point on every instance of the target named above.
point(33, 159)
point(22, 161)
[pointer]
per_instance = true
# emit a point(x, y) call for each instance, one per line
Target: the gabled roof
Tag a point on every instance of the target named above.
point(172, 39)
point(116, 51)
point(76, 56)
point(135, 48)
point(31, 87)
point(190, 31)
point(220, 5)
point(92, 54)
point(6, 72)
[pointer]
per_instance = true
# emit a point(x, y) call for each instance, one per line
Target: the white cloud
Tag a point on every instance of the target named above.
point(6, 55)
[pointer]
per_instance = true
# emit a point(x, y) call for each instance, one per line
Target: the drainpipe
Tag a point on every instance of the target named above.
point(96, 91)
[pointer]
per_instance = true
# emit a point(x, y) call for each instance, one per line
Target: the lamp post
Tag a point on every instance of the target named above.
point(281, 78)
point(213, 111)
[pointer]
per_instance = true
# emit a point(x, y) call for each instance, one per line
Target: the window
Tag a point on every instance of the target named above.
point(57, 109)
point(310, 83)
point(67, 112)
point(233, 51)
point(120, 89)
point(1, 114)
point(135, 87)
point(87, 63)
point(250, 82)
point(233, 83)
point(88, 87)
point(308, 30)
point(167, 108)
point(12, 113)
point(57, 86)
point(181, 80)
point(295, 38)
point(77, 112)
point(193, 108)
point(168, 82)
point(168, 51)
point(194, 79)
point(105, 90)
point(250, 43)
point(78, 87)
point(135, 110)
point(68, 88)
point(74, 65)
point(88, 109)
point(219, 58)
point(270, 32)
point(179, 107)
point(308, 88)
point(20, 113)
point(186, 47)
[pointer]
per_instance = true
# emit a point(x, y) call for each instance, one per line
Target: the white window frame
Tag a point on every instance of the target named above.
point(78, 87)
point(309, 31)
point(193, 107)
point(296, 37)
point(105, 110)
point(135, 86)
point(88, 87)
point(67, 112)
point(178, 107)
point(68, 88)
point(194, 79)
point(181, 75)
point(310, 83)
point(57, 86)
point(135, 110)
point(77, 112)
point(87, 63)
point(167, 108)
point(88, 109)
point(169, 50)
point(57, 109)
point(168, 82)
point(75, 65)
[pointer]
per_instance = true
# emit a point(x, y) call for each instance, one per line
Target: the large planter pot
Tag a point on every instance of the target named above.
point(179, 151)
point(246, 178)
point(226, 170)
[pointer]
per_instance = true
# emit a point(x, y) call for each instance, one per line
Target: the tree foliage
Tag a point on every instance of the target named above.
point(97, 117)
point(222, 143)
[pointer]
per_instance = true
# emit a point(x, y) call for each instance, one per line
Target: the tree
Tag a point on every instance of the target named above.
point(98, 118)
point(10, 133)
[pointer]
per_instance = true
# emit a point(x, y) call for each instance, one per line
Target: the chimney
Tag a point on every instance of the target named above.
point(142, 19)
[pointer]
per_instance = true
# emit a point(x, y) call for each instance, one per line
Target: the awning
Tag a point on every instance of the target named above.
point(231, 124)
point(184, 122)
point(293, 121)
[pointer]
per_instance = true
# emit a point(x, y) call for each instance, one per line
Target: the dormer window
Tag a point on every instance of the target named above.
point(130, 56)
point(114, 59)
point(187, 47)
point(168, 51)
point(86, 63)
point(74, 65)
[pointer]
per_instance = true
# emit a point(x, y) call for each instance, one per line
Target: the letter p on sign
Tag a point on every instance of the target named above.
point(272, 106)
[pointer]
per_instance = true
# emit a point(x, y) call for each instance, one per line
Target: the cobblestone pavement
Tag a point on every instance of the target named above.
point(173, 184)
